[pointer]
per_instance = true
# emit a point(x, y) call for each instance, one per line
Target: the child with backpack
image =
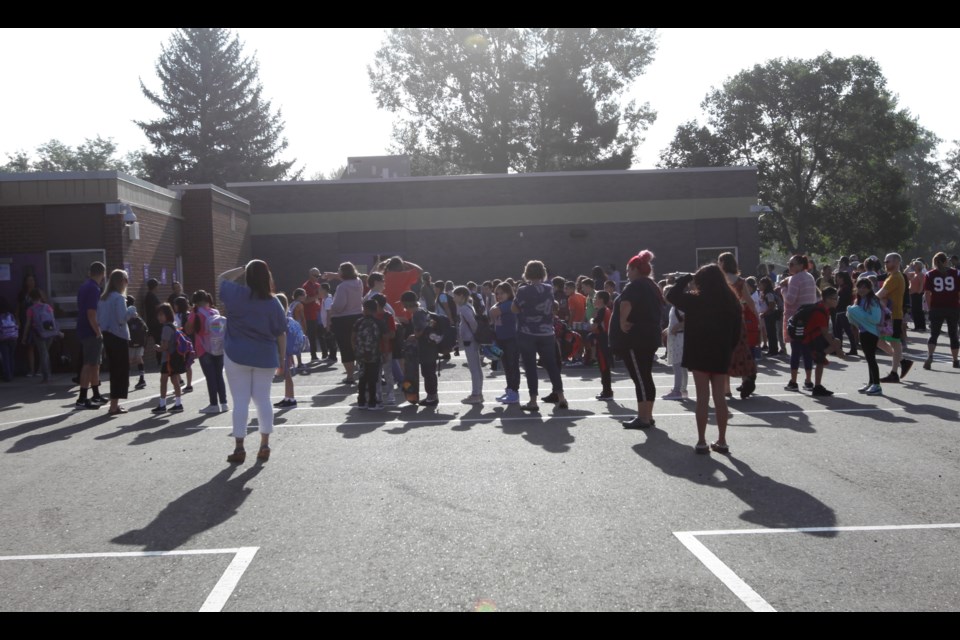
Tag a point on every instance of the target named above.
point(808, 327)
point(174, 352)
point(208, 329)
point(421, 324)
point(505, 325)
point(181, 311)
point(867, 315)
point(386, 350)
point(298, 313)
point(471, 346)
point(295, 339)
point(137, 342)
point(9, 332)
point(366, 336)
point(43, 326)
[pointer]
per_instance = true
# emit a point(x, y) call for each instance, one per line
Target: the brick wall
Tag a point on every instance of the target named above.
point(159, 245)
point(211, 245)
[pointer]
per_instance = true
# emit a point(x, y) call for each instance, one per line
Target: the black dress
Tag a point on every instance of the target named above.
point(710, 334)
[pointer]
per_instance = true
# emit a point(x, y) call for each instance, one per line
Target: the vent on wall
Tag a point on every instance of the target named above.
point(578, 233)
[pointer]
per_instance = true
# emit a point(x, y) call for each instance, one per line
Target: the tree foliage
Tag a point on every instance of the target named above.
point(825, 135)
point(216, 125)
point(94, 154)
point(525, 100)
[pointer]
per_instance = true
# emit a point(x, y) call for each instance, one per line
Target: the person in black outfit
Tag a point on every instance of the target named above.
point(635, 333)
point(711, 332)
point(150, 305)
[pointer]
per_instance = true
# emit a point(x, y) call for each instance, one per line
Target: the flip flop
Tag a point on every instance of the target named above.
point(702, 448)
point(117, 412)
point(720, 448)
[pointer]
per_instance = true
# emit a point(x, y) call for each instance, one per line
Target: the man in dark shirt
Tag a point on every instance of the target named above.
point(150, 304)
point(177, 292)
point(90, 337)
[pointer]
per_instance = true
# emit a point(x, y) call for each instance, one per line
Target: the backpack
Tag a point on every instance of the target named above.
point(185, 348)
point(216, 332)
point(443, 333)
point(367, 339)
point(454, 311)
point(138, 332)
point(886, 320)
point(797, 323)
point(295, 337)
point(484, 333)
point(8, 327)
point(44, 324)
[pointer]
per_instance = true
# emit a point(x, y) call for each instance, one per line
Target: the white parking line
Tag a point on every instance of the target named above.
point(737, 585)
point(221, 591)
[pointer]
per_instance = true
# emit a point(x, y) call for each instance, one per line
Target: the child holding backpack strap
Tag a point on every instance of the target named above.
point(207, 327)
point(181, 311)
point(173, 364)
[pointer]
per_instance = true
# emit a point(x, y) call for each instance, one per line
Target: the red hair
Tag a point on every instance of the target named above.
point(642, 261)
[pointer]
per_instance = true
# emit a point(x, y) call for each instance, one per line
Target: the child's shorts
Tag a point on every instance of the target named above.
point(135, 352)
point(819, 347)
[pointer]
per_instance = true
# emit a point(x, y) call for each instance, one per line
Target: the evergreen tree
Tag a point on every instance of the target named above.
point(216, 126)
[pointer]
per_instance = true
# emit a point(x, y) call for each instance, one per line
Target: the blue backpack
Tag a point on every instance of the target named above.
point(295, 337)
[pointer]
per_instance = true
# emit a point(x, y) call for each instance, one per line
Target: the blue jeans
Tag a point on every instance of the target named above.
point(212, 367)
point(7, 349)
point(546, 348)
point(511, 362)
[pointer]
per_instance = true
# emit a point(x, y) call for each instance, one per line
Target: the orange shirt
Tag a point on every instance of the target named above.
point(395, 284)
point(577, 303)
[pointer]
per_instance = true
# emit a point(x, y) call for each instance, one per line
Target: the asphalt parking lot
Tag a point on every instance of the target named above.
point(841, 503)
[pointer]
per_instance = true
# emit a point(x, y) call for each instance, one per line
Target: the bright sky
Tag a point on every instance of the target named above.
point(73, 84)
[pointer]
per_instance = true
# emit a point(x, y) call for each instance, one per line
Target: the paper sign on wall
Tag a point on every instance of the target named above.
point(129, 269)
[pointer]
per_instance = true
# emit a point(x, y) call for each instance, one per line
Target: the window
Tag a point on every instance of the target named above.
point(706, 255)
point(67, 270)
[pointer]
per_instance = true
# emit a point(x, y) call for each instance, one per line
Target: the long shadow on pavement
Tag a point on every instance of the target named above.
point(205, 507)
point(57, 435)
point(772, 504)
point(27, 427)
point(550, 430)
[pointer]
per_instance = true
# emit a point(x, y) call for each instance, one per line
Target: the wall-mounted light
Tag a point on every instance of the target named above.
point(129, 217)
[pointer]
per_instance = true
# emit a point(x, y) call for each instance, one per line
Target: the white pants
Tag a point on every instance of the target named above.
point(476, 372)
point(249, 383)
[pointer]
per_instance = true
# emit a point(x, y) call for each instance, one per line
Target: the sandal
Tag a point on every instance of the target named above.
point(237, 456)
point(702, 448)
point(720, 448)
point(263, 454)
point(118, 411)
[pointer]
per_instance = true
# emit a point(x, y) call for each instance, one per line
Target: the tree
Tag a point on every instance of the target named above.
point(931, 198)
point(333, 174)
point(499, 100)
point(216, 126)
point(823, 134)
point(94, 154)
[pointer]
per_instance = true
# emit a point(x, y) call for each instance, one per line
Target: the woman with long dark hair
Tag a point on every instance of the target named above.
point(112, 318)
point(254, 345)
point(711, 332)
point(635, 333)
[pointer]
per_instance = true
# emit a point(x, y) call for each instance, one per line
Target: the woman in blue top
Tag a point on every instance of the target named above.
point(256, 337)
point(112, 318)
point(505, 326)
point(534, 308)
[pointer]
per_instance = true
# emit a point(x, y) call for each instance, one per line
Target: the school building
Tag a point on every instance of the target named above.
point(459, 228)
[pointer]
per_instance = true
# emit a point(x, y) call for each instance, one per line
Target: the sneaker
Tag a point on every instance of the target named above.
point(550, 399)
point(511, 397)
point(875, 390)
point(187, 389)
point(928, 364)
point(211, 409)
point(604, 396)
point(86, 404)
point(430, 401)
point(286, 402)
point(347, 381)
point(808, 385)
point(159, 409)
point(473, 399)
point(224, 408)
point(177, 408)
point(636, 423)
point(530, 406)
point(390, 400)
point(905, 366)
point(820, 390)
point(865, 388)
point(315, 359)
point(375, 407)
point(100, 400)
point(673, 395)
point(140, 385)
point(852, 352)
point(362, 406)
point(956, 364)
point(892, 377)
point(792, 386)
